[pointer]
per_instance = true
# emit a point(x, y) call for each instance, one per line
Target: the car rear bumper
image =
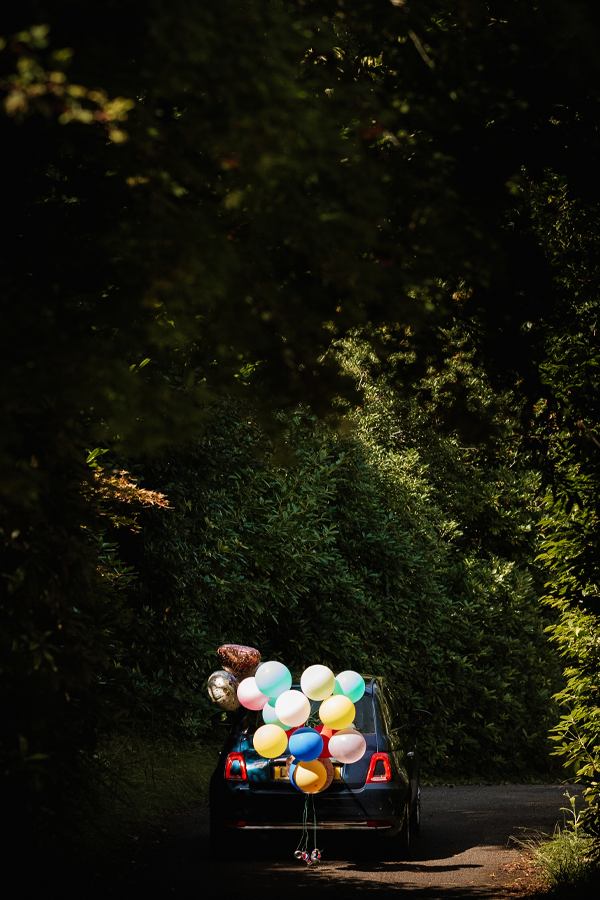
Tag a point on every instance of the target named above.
point(378, 807)
point(294, 826)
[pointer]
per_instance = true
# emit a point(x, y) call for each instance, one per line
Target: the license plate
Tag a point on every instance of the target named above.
point(281, 773)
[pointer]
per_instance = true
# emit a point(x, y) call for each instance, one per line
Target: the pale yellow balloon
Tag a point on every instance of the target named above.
point(270, 741)
point(310, 777)
point(317, 682)
point(337, 712)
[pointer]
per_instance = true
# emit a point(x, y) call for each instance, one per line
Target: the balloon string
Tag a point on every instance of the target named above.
point(314, 822)
point(304, 835)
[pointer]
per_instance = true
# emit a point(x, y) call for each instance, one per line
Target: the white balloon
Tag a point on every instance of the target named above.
point(347, 745)
point(292, 708)
point(317, 682)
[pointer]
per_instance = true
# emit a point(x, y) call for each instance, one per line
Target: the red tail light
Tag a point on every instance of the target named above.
point(383, 772)
point(235, 768)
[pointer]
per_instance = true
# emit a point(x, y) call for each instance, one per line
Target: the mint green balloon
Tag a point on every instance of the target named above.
point(350, 684)
point(273, 678)
point(270, 716)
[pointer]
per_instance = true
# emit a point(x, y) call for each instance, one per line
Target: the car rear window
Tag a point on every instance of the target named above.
point(364, 720)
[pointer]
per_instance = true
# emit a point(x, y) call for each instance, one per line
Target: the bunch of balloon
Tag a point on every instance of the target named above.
point(270, 690)
point(286, 711)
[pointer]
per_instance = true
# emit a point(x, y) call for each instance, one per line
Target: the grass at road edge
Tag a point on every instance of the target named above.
point(567, 861)
point(136, 779)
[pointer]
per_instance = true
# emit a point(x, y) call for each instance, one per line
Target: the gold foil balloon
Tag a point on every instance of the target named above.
point(328, 766)
point(222, 690)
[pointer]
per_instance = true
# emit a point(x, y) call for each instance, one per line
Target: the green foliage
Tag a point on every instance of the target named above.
point(565, 446)
point(291, 170)
point(123, 788)
point(58, 618)
point(350, 554)
point(569, 860)
point(135, 777)
point(577, 735)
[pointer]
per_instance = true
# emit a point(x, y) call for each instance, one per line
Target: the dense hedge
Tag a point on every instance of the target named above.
point(336, 548)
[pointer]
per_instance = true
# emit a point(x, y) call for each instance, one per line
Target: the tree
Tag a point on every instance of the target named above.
point(287, 171)
point(385, 549)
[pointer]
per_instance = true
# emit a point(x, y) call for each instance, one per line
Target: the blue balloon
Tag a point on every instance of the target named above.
point(305, 744)
point(291, 774)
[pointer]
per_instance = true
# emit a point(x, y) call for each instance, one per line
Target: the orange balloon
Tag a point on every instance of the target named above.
point(311, 776)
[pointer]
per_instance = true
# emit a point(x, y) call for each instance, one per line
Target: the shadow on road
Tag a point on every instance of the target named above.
point(460, 854)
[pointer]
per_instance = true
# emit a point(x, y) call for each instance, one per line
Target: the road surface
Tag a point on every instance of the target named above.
point(463, 847)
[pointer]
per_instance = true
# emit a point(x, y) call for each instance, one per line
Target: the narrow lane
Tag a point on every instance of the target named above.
point(460, 852)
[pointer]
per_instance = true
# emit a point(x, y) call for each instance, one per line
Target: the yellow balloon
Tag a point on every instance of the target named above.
point(270, 741)
point(337, 712)
point(310, 777)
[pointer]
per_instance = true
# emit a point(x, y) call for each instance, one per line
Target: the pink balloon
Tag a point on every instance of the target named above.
point(347, 745)
point(249, 695)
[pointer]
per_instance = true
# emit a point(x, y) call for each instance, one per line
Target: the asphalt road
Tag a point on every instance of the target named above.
point(461, 852)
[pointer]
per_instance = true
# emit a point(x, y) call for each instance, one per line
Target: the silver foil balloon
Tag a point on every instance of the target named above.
point(222, 690)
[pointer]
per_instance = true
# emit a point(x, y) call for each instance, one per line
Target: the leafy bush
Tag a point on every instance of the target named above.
point(569, 860)
point(576, 736)
point(347, 554)
point(138, 776)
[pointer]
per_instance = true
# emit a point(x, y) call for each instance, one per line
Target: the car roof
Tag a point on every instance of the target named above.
point(370, 679)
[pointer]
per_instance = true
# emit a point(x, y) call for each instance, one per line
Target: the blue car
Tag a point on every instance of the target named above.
point(380, 793)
